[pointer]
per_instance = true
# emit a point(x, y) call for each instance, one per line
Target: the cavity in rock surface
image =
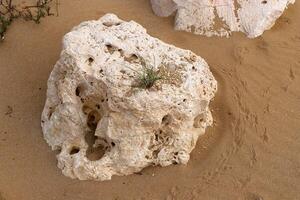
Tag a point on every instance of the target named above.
point(221, 17)
point(119, 100)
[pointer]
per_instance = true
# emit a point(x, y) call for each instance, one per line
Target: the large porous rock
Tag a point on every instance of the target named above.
point(119, 100)
point(221, 17)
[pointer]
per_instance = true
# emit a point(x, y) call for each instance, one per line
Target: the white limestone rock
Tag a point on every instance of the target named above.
point(221, 17)
point(100, 116)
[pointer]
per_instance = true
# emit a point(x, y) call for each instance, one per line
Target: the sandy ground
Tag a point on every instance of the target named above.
point(251, 153)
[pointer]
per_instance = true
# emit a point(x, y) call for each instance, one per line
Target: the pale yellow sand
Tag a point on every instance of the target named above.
point(252, 152)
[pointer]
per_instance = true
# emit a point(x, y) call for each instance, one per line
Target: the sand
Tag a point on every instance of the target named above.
point(251, 153)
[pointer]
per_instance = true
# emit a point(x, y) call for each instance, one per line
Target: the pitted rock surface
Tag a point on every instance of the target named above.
point(103, 121)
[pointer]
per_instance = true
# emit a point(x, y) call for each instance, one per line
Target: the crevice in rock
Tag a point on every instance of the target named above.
point(219, 22)
point(236, 6)
point(111, 49)
point(96, 146)
point(109, 24)
point(155, 153)
point(174, 162)
point(51, 111)
point(131, 58)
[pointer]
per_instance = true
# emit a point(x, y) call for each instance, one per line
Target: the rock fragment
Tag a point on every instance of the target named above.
point(222, 17)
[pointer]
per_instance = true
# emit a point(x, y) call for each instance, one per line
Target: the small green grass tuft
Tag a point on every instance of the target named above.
point(42, 9)
point(10, 12)
point(4, 23)
point(148, 78)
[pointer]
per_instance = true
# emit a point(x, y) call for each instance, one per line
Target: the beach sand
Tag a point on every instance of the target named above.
point(251, 153)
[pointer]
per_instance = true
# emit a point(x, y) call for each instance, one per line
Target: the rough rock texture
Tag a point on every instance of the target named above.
point(221, 17)
point(100, 116)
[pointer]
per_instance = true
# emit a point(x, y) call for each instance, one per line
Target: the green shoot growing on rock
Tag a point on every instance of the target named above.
point(10, 12)
point(148, 78)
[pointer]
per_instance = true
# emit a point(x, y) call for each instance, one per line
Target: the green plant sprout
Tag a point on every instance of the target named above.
point(10, 12)
point(147, 77)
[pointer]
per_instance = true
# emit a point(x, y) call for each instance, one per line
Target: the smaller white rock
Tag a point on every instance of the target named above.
point(105, 120)
point(222, 17)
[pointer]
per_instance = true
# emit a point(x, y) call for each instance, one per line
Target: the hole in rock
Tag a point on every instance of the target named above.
point(166, 120)
point(96, 147)
point(92, 119)
point(121, 52)
point(94, 152)
point(199, 119)
point(110, 48)
point(97, 106)
point(90, 60)
point(78, 91)
point(74, 150)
